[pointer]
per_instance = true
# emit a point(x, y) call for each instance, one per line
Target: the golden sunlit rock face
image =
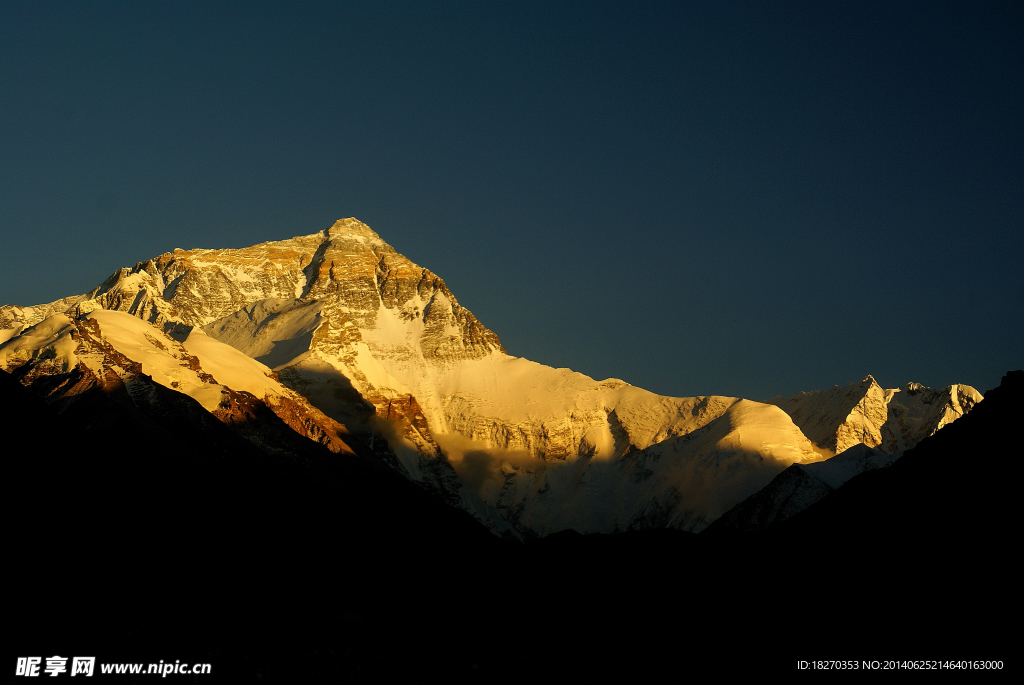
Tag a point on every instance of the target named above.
point(337, 329)
point(348, 267)
point(866, 414)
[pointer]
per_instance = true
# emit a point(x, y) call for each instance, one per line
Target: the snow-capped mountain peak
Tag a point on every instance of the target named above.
point(341, 321)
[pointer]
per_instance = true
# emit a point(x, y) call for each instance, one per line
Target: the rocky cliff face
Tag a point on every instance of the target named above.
point(348, 331)
point(864, 413)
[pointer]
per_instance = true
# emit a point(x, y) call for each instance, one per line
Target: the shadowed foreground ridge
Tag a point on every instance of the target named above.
point(291, 578)
point(951, 490)
point(921, 551)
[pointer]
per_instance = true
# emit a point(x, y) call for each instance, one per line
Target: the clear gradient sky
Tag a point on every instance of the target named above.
point(742, 199)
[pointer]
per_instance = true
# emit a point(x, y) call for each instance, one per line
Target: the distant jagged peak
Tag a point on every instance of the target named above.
point(863, 412)
point(854, 388)
point(958, 394)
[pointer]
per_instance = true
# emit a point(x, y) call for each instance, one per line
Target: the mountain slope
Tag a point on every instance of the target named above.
point(379, 344)
point(797, 488)
point(105, 348)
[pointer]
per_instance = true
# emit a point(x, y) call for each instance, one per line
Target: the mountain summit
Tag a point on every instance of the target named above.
point(377, 344)
point(352, 227)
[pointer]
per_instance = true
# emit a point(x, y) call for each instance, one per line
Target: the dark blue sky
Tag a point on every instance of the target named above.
point(731, 198)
